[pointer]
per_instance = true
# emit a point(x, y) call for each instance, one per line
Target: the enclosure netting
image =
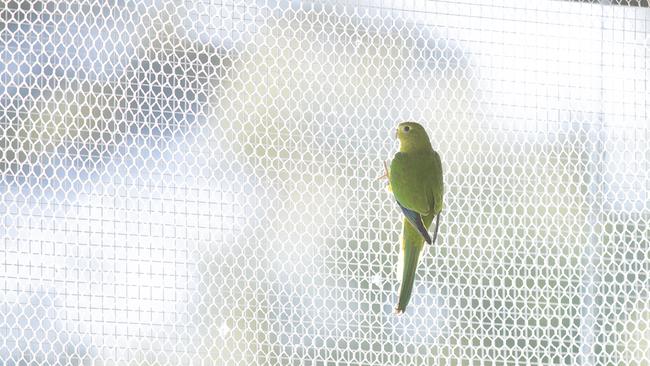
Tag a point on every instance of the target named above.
point(193, 182)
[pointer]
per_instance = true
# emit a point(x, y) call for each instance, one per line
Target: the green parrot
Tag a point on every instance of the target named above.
point(415, 178)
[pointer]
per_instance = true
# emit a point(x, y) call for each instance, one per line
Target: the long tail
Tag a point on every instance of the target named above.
point(412, 244)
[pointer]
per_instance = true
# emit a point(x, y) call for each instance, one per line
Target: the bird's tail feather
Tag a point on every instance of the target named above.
point(411, 254)
point(412, 244)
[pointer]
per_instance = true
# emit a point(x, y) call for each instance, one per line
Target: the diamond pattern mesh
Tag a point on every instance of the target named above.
point(192, 182)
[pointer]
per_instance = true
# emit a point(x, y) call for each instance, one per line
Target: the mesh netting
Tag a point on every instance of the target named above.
point(193, 182)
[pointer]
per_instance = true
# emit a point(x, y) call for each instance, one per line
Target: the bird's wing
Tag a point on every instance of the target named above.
point(416, 221)
point(408, 179)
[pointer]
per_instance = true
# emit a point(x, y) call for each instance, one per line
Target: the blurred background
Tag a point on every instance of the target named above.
point(193, 182)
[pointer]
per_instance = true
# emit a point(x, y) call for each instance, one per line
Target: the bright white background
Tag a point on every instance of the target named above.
point(192, 182)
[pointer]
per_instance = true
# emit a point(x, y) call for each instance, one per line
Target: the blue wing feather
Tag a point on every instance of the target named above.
point(416, 220)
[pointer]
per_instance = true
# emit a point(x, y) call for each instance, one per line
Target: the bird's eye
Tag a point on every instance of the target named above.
point(407, 128)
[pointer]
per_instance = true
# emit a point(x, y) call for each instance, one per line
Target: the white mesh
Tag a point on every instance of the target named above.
point(192, 182)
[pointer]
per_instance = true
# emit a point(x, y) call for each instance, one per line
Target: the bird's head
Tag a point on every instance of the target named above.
point(412, 136)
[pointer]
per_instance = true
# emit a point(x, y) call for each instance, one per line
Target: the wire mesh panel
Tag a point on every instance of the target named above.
point(193, 182)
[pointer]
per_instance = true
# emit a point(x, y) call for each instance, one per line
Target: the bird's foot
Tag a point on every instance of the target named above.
point(385, 176)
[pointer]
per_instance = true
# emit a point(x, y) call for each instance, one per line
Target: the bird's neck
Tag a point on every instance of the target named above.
point(406, 147)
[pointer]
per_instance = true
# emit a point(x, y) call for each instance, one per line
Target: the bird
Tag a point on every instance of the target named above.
point(415, 179)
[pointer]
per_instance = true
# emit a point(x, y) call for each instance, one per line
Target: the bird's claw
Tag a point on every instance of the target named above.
point(385, 176)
